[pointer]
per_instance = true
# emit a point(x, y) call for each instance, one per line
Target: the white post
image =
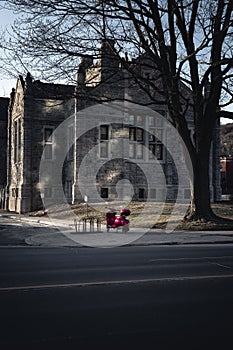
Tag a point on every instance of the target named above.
point(75, 150)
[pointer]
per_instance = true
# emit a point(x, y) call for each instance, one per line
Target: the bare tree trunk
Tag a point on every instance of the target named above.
point(200, 207)
point(202, 190)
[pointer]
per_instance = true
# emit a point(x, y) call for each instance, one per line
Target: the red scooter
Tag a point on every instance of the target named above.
point(117, 221)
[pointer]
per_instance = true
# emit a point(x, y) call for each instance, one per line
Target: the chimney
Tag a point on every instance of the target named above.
point(109, 58)
point(85, 63)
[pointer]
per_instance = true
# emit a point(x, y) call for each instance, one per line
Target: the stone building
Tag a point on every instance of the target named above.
point(3, 147)
point(36, 109)
point(111, 77)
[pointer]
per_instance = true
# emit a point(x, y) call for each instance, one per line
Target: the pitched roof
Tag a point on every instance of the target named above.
point(49, 90)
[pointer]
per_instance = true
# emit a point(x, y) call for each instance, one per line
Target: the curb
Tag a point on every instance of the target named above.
point(29, 241)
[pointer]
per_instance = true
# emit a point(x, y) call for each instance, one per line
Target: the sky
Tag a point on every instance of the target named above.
point(6, 84)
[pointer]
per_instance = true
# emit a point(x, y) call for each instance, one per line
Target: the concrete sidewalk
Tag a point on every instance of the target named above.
point(66, 235)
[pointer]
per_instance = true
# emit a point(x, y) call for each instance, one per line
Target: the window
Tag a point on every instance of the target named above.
point(104, 132)
point(17, 140)
point(104, 192)
point(136, 142)
point(104, 141)
point(155, 143)
point(48, 134)
point(139, 135)
point(131, 119)
point(151, 121)
point(156, 151)
point(48, 143)
point(139, 150)
point(159, 151)
point(139, 120)
point(152, 148)
point(141, 193)
point(153, 139)
point(131, 150)
point(103, 150)
point(132, 134)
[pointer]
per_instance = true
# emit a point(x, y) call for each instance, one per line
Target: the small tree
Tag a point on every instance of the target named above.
point(189, 42)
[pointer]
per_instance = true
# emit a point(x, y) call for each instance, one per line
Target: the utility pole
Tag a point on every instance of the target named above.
point(74, 185)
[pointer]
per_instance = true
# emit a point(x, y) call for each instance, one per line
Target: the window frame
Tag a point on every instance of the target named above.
point(106, 190)
point(155, 145)
point(48, 142)
point(104, 141)
point(136, 142)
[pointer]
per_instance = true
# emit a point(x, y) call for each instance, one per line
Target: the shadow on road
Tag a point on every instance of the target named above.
point(17, 233)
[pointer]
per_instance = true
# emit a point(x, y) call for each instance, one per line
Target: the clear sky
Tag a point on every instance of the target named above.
point(6, 86)
point(6, 83)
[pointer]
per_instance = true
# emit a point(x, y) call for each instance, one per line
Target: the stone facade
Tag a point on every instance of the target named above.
point(36, 109)
point(113, 78)
point(123, 150)
point(4, 102)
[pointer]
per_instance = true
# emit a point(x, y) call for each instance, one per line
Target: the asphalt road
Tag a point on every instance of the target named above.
point(118, 298)
point(13, 232)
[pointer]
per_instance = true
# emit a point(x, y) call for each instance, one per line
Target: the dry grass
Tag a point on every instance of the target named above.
point(224, 209)
point(154, 214)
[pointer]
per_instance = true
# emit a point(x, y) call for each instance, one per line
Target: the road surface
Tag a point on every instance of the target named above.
point(163, 297)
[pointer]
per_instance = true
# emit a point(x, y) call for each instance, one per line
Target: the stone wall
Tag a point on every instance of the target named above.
point(36, 114)
point(4, 102)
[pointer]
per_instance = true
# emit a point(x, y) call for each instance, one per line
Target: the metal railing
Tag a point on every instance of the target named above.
point(88, 224)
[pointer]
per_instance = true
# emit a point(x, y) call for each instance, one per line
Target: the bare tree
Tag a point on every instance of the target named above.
point(189, 42)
